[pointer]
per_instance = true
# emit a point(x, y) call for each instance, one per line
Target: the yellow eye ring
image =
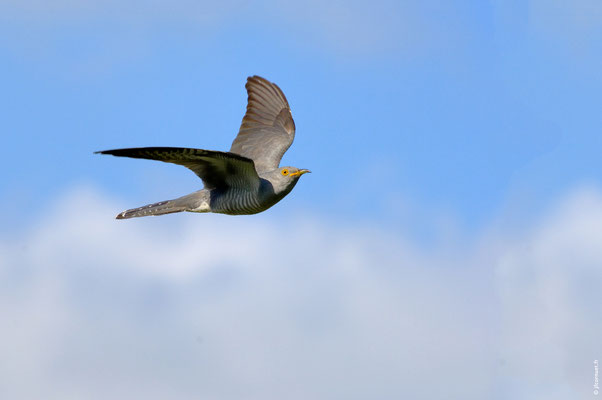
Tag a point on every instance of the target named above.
point(284, 172)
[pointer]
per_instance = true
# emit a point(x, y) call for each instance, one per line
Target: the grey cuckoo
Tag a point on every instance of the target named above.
point(245, 180)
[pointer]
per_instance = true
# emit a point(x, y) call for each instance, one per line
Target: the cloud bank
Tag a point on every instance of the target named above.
point(213, 307)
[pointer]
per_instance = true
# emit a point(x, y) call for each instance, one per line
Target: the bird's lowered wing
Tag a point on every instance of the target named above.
point(217, 169)
point(267, 129)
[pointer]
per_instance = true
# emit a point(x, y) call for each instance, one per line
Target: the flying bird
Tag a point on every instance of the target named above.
point(245, 180)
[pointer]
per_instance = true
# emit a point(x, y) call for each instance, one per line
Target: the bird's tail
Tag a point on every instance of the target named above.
point(160, 208)
point(195, 202)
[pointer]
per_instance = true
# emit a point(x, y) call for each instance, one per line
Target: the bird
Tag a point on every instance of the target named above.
point(245, 180)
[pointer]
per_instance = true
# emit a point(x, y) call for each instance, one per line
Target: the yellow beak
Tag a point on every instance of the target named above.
point(300, 172)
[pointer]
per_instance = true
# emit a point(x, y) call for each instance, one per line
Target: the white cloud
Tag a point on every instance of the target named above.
point(549, 288)
point(216, 307)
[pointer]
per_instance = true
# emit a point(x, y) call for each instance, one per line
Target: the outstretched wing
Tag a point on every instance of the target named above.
point(267, 129)
point(217, 169)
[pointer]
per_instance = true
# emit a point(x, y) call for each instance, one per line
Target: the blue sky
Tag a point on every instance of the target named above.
point(455, 151)
point(458, 109)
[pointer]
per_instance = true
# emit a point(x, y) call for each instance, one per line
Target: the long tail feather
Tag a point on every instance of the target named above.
point(160, 208)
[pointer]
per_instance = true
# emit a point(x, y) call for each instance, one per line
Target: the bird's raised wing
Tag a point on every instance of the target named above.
point(267, 129)
point(217, 169)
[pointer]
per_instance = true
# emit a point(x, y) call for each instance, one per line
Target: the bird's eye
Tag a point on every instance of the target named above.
point(285, 172)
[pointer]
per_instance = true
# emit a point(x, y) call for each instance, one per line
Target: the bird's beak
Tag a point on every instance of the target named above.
point(300, 172)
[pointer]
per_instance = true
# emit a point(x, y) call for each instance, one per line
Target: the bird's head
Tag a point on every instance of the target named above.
point(285, 178)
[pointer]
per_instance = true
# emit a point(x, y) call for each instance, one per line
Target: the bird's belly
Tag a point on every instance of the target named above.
point(238, 203)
